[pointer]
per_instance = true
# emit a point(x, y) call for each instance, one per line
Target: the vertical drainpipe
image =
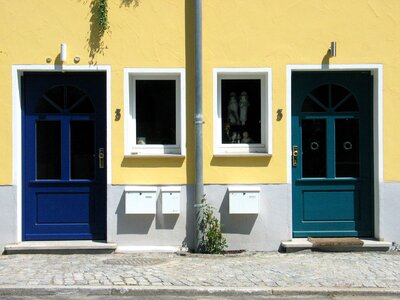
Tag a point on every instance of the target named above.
point(199, 185)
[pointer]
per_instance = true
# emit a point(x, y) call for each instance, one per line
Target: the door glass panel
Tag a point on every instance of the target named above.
point(82, 106)
point(48, 150)
point(82, 150)
point(314, 148)
point(338, 94)
point(321, 94)
point(55, 96)
point(349, 104)
point(347, 148)
point(310, 105)
point(44, 106)
point(78, 102)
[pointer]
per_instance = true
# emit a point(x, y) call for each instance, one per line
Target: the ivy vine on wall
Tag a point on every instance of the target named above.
point(99, 25)
point(103, 16)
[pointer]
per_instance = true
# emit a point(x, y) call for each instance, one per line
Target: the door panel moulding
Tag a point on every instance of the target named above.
point(17, 72)
point(377, 73)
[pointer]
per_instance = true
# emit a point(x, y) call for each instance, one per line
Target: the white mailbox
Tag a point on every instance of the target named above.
point(171, 199)
point(140, 200)
point(244, 199)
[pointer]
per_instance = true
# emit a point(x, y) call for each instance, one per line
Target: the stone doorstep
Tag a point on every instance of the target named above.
point(299, 244)
point(60, 247)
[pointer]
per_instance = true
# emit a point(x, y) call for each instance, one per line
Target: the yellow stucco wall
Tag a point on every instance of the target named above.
point(236, 33)
point(261, 33)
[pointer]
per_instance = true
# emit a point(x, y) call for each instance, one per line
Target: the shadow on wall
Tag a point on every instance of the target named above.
point(141, 223)
point(130, 223)
point(325, 60)
point(127, 3)
point(241, 161)
point(152, 162)
point(95, 34)
point(165, 221)
point(235, 223)
point(190, 218)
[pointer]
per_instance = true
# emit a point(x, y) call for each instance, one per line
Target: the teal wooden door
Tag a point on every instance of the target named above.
point(332, 135)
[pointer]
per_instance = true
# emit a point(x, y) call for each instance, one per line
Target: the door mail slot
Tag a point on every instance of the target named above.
point(140, 200)
point(171, 199)
point(244, 200)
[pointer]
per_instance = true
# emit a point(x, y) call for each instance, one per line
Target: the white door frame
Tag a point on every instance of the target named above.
point(17, 72)
point(377, 73)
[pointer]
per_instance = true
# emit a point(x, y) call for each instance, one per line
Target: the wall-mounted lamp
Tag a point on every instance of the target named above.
point(63, 52)
point(333, 49)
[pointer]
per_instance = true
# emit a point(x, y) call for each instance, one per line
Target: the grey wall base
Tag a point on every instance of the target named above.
point(148, 230)
point(390, 211)
point(8, 216)
point(259, 232)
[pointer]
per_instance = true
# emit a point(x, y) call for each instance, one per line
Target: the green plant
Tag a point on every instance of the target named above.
point(212, 241)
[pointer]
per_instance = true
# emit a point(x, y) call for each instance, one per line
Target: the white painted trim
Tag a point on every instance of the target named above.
point(377, 72)
point(265, 75)
point(16, 73)
point(130, 146)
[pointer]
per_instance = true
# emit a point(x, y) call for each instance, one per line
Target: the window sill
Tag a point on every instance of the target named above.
point(154, 155)
point(242, 155)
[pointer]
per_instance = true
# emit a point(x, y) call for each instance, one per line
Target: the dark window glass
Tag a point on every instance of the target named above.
point(241, 111)
point(48, 150)
point(52, 102)
point(314, 148)
point(56, 96)
point(321, 95)
point(82, 106)
point(309, 105)
point(339, 94)
point(82, 150)
point(347, 148)
point(78, 101)
point(46, 107)
point(350, 104)
point(61, 99)
point(156, 112)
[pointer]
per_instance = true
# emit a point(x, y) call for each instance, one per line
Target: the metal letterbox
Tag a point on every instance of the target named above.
point(140, 200)
point(171, 199)
point(244, 200)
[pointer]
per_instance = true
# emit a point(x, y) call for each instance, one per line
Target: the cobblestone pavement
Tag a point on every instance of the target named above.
point(308, 269)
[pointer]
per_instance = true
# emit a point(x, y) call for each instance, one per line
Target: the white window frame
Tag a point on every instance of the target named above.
point(132, 149)
point(265, 147)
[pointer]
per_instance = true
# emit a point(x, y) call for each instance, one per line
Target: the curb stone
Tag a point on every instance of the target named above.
point(190, 291)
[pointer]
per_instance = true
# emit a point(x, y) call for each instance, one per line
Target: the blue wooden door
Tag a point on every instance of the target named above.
point(63, 156)
point(332, 154)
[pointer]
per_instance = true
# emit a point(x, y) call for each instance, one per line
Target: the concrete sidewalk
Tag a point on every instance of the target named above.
point(270, 273)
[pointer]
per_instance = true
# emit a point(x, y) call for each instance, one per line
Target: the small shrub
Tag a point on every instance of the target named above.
point(212, 242)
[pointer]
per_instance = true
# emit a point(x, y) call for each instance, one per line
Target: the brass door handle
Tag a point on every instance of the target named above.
point(295, 154)
point(101, 158)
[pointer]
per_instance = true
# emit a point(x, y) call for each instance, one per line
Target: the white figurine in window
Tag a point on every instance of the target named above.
point(243, 104)
point(246, 139)
point(233, 115)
